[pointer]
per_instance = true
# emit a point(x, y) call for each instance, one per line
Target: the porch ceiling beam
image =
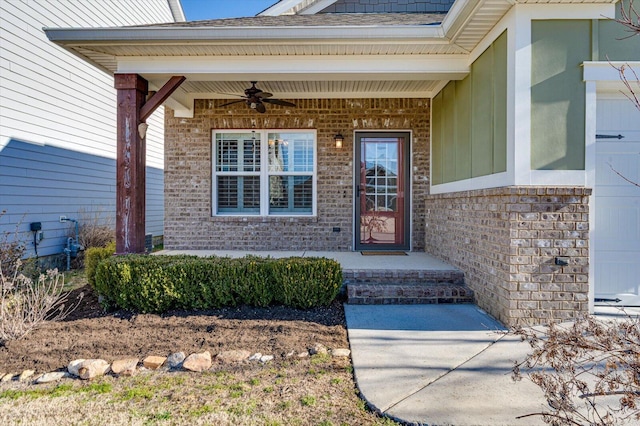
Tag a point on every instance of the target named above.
point(371, 67)
point(160, 96)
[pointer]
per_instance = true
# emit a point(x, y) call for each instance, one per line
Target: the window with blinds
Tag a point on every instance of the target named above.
point(287, 186)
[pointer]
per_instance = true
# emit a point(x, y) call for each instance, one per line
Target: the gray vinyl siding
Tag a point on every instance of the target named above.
point(41, 183)
point(58, 120)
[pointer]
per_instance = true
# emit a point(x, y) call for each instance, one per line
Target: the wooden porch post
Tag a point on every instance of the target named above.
point(130, 163)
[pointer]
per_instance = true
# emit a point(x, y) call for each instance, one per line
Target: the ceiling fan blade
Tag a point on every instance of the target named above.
point(264, 94)
point(230, 94)
point(261, 108)
point(279, 102)
point(232, 102)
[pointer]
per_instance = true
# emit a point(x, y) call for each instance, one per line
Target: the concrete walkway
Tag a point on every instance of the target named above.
point(439, 365)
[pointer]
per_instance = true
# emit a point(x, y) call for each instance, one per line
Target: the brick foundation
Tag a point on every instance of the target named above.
point(506, 240)
point(188, 220)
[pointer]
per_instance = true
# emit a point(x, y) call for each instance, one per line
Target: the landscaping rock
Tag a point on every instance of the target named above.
point(197, 362)
point(318, 349)
point(233, 356)
point(255, 357)
point(153, 362)
point(175, 360)
point(8, 377)
point(341, 352)
point(52, 377)
point(24, 376)
point(290, 354)
point(303, 354)
point(92, 368)
point(74, 366)
point(125, 367)
point(266, 358)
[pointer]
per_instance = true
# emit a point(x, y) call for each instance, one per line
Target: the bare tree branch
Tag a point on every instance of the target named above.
point(623, 176)
point(630, 18)
point(632, 86)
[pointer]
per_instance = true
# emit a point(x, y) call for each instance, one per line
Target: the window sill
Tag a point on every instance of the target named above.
point(264, 219)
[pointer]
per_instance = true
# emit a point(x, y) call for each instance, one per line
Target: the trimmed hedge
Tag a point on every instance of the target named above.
point(93, 256)
point(161, 283)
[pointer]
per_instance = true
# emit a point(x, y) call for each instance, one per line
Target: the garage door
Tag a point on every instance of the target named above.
point(616, 233)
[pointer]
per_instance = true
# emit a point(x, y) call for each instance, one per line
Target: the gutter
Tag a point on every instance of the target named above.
point(203, 34)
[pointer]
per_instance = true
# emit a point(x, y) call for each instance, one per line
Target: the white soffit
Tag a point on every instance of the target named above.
point(337, 61)
point(314, 89)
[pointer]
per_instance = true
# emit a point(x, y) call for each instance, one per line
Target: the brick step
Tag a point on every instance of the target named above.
point(407, 293)
point(403, 276)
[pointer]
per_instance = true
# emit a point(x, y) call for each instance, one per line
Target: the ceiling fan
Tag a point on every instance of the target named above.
point(256, 98)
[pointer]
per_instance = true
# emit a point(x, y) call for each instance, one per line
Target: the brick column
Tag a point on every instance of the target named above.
point(130, 164)
point(524, 250)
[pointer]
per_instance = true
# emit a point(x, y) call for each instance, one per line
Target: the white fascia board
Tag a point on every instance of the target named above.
point(607, 71)
point(316, 7)
point(490, 181)
point(372, 67)
point(280, 7)
point(154, 35)
point(558, 177)
point(458, 16)
point(176, 10)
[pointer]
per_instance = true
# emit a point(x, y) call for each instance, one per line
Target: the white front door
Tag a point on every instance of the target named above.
point(616, 233)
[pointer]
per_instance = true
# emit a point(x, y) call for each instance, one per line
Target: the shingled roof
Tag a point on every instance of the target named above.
point(320, 20)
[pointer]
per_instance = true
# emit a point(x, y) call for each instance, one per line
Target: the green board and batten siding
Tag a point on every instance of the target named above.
point(469, 116)
point(559, 47)
point(613, 39)
point(469, 120)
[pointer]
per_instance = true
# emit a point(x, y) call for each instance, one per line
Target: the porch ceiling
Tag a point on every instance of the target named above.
point(297, 56)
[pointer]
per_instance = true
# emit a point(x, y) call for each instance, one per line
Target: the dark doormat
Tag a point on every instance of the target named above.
point(383, 253)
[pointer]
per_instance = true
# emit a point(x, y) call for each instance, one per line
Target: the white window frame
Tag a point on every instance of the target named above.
point(264, 173)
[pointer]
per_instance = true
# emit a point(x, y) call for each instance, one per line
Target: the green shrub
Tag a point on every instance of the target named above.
point(161, 283)
point(303, 282)
point(93, 256)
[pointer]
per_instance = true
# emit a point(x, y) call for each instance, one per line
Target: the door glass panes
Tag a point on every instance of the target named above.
point(381, 175)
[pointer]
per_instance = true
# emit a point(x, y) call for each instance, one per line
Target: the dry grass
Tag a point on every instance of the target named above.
point(26, 304)
point(313, 391)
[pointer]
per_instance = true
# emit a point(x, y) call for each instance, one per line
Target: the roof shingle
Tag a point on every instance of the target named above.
point(320, 20)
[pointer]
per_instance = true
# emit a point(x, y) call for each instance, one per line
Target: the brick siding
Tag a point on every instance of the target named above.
point(188, 220)
point(506, 241)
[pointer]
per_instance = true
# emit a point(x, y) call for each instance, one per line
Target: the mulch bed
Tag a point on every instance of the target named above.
point(90, 332)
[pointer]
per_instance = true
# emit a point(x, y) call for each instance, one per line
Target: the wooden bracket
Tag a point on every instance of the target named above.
point(160, 96)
